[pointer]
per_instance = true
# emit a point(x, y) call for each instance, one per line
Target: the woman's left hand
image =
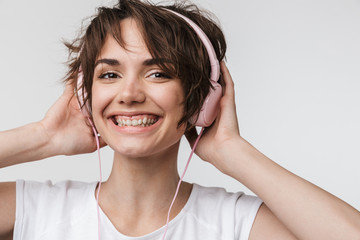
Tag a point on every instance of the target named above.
point(217, 138)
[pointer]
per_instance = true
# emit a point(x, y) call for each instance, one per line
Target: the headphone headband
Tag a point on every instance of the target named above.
point(214, 62)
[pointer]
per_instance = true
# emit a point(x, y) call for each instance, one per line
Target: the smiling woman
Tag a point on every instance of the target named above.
point(142, 73)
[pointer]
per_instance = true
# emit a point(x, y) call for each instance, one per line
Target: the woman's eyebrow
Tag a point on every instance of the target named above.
point(108, 61)
point(147, 62)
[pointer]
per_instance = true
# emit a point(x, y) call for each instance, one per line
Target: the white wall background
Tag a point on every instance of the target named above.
point(295, 64)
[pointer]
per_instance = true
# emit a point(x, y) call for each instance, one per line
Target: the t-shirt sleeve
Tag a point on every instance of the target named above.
point(229, 215)
point(246, 209)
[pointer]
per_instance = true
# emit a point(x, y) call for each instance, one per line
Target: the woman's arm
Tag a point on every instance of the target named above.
point(24, 144)
point(63, 131)
point(303, 209)
point(306, 210)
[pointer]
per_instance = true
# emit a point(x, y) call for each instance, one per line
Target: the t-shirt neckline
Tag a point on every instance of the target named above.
point(110, 228)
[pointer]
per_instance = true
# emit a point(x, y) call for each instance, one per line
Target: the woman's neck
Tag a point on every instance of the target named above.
point(140, 177)
point(142, 189)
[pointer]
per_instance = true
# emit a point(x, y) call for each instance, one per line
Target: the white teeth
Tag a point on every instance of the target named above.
point(145, 122)
point(134, 122)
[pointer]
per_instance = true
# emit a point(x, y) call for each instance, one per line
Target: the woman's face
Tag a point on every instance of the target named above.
point(135, 106)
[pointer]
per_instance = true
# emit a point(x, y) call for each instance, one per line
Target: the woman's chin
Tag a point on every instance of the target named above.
point(132, 151)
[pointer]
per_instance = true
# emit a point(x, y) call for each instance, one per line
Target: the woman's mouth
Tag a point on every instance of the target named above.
point(135, 121)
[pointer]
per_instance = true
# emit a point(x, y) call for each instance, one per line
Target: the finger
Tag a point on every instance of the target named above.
point(70, 96)
point(229, 83)
point(228, 101)
point(69, 88)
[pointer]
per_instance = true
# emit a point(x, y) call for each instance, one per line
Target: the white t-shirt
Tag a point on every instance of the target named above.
point(68, 211)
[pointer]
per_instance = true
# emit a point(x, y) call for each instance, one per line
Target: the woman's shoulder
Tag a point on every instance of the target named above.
point(49, 196)
point(219, 196)
point(69, 188)
point(220, 214)
point(218, 199)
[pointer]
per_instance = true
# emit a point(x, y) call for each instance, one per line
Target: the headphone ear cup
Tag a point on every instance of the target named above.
point(210, 108)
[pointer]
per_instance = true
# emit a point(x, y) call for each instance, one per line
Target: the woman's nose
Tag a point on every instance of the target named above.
point(130, 91)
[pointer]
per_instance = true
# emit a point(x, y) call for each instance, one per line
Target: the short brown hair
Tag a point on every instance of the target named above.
point(166, 36)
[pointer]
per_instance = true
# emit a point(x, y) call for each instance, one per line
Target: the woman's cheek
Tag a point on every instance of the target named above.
point(170, 98)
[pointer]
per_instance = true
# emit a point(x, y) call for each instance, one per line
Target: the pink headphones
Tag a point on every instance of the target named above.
point(205, 118)
point(209, 109)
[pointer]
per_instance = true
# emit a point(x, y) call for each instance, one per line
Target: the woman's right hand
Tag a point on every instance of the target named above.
point(67, 129)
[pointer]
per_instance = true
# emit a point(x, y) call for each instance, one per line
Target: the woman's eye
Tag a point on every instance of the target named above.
point(160, 75)
point(108, 75)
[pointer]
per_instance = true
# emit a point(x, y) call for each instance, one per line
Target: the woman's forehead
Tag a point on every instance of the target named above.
point(130, 41)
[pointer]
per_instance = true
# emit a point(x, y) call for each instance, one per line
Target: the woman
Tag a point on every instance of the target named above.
point(143, 63)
